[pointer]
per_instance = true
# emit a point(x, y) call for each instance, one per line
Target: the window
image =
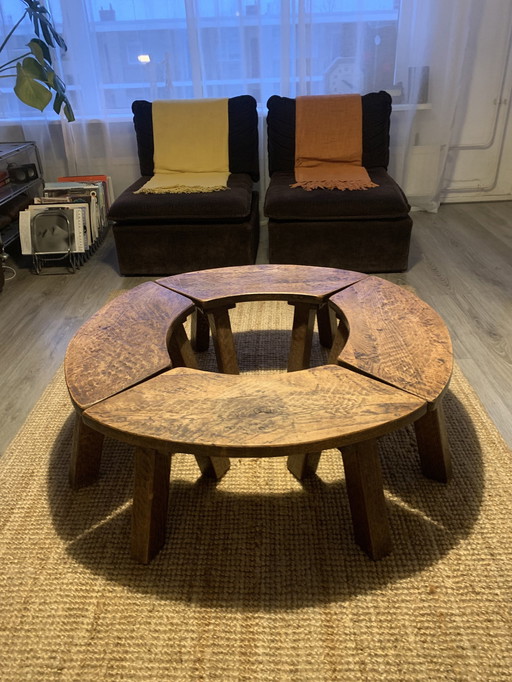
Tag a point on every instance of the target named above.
point(213, 48)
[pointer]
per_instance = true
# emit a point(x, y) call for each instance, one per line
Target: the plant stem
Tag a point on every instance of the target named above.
point(13, 29)
point(16, 59)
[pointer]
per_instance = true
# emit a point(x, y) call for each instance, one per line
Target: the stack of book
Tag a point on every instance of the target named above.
point(69, 219)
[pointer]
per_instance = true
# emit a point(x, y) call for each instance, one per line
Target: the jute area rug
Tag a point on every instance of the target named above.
point(260, 578)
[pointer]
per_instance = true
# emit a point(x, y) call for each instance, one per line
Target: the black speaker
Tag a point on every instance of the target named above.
point(24, 173)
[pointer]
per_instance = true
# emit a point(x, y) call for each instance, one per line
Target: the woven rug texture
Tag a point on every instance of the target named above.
point(260, 578)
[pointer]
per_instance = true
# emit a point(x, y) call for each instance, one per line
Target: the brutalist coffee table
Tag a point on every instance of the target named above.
point(132, 375)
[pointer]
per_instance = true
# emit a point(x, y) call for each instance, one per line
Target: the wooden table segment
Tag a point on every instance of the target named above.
point(283, 414)
point(307, 288)
point(388, 333)
point(133, 337)
point(256, 415)
point(132, 375)
point(394, 336)
point(269, 282)
point(124, 343)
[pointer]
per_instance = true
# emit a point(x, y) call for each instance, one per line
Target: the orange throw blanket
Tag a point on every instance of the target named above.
point(329, 143)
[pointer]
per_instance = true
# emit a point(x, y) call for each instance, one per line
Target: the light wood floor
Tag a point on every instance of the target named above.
point(461, 264)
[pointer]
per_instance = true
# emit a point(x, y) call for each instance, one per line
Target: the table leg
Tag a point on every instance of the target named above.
point(302, 336)
point(326, 321)
point(180, 348)
point(433, 445)
point(86, 448)
point(303, 465)
point(200, 331)
point(223, 340)
point(150, 503)
point(213, 467)
point(299, 358)
point(339, 341)
point(363, 479)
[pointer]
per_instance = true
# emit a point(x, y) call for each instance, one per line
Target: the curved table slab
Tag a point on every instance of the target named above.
point(205, 413)
point(133, 337)
point(395, 337)
point(123, 343)
point(221, 415)
point(232, 285)
point(305, 287)
point(388, 333)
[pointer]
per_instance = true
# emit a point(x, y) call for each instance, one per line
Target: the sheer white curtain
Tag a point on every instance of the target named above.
point(434, 64)
point(122, 50)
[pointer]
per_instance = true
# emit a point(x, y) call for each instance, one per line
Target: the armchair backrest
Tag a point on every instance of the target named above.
point(243, 135)
point(281, 131)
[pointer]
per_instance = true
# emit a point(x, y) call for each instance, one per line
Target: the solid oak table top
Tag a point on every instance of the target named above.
point(124, 343)
point(260, 282)
point(394, 336)
point(225, 415)
point(386, 333)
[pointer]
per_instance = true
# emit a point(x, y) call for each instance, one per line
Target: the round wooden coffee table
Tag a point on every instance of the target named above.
point(132, 375)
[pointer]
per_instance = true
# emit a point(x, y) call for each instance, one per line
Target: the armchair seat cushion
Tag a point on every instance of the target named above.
point(226, 205)
point(285, 203)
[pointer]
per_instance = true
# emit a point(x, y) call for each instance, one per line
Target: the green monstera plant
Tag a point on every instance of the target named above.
point(36, 80)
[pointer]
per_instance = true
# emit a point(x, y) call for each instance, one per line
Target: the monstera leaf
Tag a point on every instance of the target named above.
point(29, 87)
point(36, 80)
point(42, 24)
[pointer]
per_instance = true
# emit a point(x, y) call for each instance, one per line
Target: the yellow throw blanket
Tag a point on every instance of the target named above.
point(329, 143)
point(191, 146)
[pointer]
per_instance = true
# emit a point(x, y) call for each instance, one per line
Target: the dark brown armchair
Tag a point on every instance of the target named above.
point(157, 234)
point(365, 230)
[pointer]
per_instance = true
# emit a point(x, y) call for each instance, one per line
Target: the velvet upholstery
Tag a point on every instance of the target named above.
point(158, 234)
point(366, 230)
point(164, 247)
point(386, 201)
point(234, 204)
